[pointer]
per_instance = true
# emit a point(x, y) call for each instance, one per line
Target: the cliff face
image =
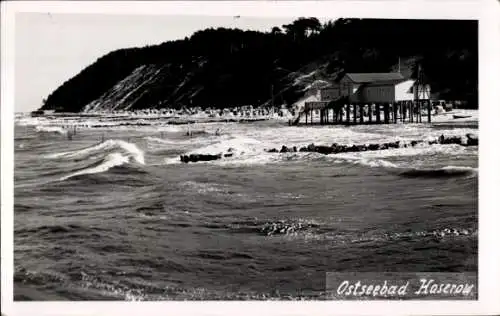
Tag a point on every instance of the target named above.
point(221, 67)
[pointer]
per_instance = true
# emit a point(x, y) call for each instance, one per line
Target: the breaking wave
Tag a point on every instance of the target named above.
point(111, 160)
point(130, 150)
point(445, 172)
point(112, 153)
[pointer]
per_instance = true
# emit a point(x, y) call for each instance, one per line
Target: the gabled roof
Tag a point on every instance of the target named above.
point(375, 77)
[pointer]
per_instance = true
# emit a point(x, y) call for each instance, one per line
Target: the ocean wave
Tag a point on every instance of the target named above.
point(444, 172)
point(367, 162)
point(23, 275)
point(311, 229)
point(111, 160)
point(52, 229)
point(130, 150)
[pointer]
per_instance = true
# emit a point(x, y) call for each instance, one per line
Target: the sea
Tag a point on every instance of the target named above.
point(105, 210)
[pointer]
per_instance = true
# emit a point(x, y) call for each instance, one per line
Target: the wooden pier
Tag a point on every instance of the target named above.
point(333, 113)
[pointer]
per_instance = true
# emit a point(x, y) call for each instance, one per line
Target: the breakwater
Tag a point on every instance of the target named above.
point(468, 140)
point(471, 140)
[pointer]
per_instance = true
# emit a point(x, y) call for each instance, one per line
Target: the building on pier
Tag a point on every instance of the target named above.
point(356, 96)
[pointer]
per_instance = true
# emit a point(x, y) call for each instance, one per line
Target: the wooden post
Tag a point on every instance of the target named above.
point(417, 114)
point(370, 113)
point(389, 113)
point(348, 114)
point(307, 115)
point(386, 113)
point(377, 112)
point(341, 114)
point(361, 113)
point(419, 109)
point(399, 111)
point(411, 111)
point(354, 112)
point(429, 109)
point(422, 106)
point(395, 112)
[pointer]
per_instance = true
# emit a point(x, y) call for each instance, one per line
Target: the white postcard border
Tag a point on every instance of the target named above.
point(487, 12)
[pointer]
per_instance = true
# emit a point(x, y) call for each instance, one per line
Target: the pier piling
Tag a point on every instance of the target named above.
point(370, 113)
point(360, 113)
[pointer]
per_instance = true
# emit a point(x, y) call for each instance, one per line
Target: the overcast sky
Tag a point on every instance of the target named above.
point(52, 48)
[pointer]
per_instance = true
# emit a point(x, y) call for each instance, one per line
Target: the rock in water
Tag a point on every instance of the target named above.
point(472, 140)
point(325, 150)
point(199, 157)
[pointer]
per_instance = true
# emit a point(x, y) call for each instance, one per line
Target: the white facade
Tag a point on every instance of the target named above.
point(404, 91)
point(376, 92)
point(407, 91)
point(383, 93)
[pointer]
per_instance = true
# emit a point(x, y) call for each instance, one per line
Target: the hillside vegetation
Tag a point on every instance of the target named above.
point(230, 67)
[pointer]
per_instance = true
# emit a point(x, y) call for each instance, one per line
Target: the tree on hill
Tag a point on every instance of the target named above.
point(220, 67)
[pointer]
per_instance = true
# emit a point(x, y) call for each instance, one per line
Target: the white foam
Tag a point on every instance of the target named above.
point(244, 150)
point(185, 141)
point(111, 160)
point(130, 149)
point(202, 187)
point(239, 146)
point(377, 163)
point(51, 129)
point(418, 150)
point(460, 168)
